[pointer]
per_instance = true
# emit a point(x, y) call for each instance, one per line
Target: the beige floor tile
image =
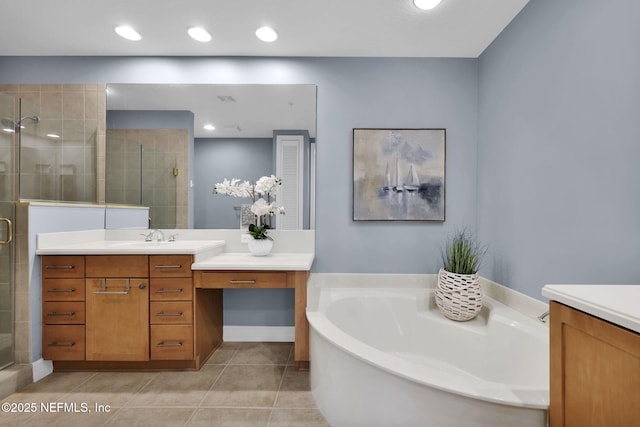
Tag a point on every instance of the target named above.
point(295, 391)
point(177, 389)
point(230, 417)
point(262, 353)
point(243, 384)
point(166, 417)
point(297, 418)
point(69, 418)
point(52, 388)
point(246, 386)
point(59, 382)
point(115, 389)
point(222, 355)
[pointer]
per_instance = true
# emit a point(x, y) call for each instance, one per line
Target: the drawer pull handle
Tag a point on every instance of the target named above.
point(163, 344)
point(104, 290)
point(62, 344)
point(242, 282)
point(167, 291)
point(61, 290)
point(162, 313)
point(168, 266)
point(55, 313)
point(60, 267)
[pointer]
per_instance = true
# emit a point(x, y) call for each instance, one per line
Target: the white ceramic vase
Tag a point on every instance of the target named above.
point(458, 296)
point(260, 247)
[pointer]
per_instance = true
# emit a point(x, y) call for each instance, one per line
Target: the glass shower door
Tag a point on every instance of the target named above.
point(7, 214)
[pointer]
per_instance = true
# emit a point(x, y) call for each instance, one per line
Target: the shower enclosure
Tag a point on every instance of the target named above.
point(57, 155)
point(7, 216)
point(49, 139)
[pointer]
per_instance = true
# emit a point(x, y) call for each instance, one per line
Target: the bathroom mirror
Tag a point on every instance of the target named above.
point(162, 153)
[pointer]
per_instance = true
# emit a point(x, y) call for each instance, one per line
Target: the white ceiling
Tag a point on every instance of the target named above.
point(354, 28)
point(378, 28)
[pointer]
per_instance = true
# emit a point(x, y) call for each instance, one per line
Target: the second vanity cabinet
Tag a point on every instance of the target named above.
point(595, 371)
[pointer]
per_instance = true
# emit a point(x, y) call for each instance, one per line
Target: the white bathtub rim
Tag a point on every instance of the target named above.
point(524, 304)
point(536, 397)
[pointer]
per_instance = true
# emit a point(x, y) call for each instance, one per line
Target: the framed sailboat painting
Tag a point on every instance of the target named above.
point(398, 174)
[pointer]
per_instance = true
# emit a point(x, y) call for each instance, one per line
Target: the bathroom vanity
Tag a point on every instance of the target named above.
point(134, 305)
point(595, 355)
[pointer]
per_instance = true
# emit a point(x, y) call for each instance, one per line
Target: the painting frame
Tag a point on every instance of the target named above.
point(399, 174)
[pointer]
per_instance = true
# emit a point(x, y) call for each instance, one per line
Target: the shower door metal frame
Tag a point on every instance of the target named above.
point(8, 194)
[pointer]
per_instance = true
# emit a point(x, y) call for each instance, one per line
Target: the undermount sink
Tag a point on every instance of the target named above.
point(178, 244)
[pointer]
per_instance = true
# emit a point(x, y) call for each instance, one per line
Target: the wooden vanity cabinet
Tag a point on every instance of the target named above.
point(595, 371)
point(171, 307)
point(63, 311)
point(126, 312)
point(117, 304)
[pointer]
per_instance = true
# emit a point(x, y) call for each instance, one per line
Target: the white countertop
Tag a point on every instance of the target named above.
point(618, 304)
point(245, 261)
point(129, 247)
point(212, 249)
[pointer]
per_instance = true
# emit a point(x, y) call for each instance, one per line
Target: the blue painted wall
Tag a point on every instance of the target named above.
point(219, 158)
point(352, 92)
point(559, 132)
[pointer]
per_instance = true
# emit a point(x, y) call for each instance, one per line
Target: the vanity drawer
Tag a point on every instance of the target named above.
point(63, 313)
point(60, 266)
point(63, 289)
point(175, 289)
point(171, 342)
point(63, 342)
point(170, 265)
point(117, 265)
point(244, 279)
point(171, 313)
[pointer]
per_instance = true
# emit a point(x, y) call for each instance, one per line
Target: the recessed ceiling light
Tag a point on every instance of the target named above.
point(199, 34)
point(266, 34)
point(53, 135)
point(426, 4)
point(209, 127)
point(128, 33)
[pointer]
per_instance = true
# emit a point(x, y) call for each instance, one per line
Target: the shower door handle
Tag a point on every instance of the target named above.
point(9, 231)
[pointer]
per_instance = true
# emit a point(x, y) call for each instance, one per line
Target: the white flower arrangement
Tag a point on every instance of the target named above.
point(266, 186)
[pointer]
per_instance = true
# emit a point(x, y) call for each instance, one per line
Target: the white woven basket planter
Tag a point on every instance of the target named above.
point(458, 296)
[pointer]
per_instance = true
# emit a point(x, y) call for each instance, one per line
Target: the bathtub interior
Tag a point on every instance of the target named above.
point(497, 346)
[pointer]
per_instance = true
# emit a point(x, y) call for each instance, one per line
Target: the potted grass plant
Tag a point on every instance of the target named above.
point(458, 293)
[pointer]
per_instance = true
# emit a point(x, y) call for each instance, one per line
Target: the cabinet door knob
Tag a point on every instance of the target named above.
point(142, 286)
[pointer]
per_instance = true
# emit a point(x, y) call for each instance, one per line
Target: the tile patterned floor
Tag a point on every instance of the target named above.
point(243, 384)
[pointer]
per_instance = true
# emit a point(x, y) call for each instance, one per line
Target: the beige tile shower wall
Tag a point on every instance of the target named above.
point(169, 207)
point(82, 108)
point(22, 319)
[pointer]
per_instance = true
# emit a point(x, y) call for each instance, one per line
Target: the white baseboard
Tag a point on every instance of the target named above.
point(258, 333)
point(41, 368)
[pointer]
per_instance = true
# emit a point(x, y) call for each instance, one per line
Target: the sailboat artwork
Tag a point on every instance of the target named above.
point(387, 179)
point(398, 187)
point(398, 174)
point(412, 183)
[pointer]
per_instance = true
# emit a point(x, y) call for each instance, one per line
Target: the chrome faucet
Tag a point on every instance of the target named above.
point(543, 317)
point(158, 234)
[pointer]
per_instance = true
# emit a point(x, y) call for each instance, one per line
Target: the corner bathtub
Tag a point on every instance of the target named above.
point(387, 357)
